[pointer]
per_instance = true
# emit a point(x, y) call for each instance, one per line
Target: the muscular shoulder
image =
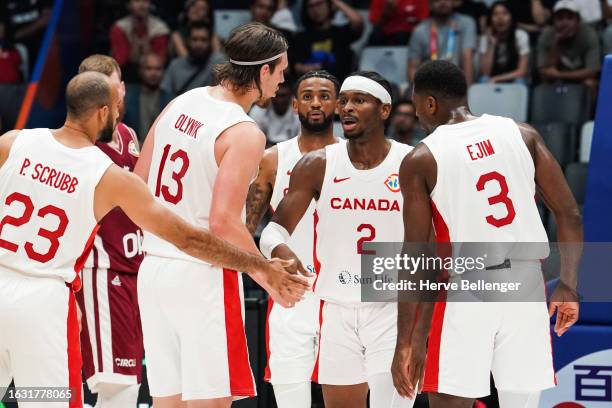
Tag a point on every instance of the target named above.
point(312, 162)
point(419, 163)
point(310, 171)
point(530, 136)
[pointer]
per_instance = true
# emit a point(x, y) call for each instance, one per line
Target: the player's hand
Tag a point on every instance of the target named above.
point(408, 368)
point(285, 288)
point(399, 369)
point(284, 252)
point(565, 301)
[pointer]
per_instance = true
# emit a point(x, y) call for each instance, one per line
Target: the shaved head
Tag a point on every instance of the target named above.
point(86, 93)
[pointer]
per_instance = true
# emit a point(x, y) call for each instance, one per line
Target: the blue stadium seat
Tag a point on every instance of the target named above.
point(566, 103)
point(227, 20)
point(390, 62)
point(509, 100)
point(560, 139)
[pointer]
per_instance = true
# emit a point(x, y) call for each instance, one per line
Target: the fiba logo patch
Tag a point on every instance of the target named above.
point(344, 277)
point(392, 183)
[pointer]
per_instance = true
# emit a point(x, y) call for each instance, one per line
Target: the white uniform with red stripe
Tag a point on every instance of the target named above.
point(292, 334)
point(356, 206)
point(192, 312)
point(47, 195)
point(485, 192)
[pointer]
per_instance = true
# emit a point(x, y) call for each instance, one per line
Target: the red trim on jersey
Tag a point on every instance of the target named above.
point(315, 370)
point(240, 376)
point(75, 362)
point(267, 371)
point(315, 260)
point(432, 366)
point(80, 262)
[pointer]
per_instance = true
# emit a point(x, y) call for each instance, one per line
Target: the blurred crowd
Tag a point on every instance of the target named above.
point(166, 48)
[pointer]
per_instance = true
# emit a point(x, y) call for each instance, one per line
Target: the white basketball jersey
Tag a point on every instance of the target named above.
point(47, 200)
point(183, 166)
point(485, 188)
point(355, 207)
point(301, 241)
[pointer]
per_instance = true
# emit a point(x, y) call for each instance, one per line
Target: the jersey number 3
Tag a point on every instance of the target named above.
point(501, 198)
point(28, 209)
point(177, 176)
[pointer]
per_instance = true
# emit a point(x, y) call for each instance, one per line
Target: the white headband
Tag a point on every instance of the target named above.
point(257, 62)
point(363, 84)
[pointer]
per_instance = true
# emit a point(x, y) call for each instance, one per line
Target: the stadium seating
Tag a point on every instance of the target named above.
point(509, 100)
point(566, 103)
point(586, 137)
point(576, 175)
point(227, 20)
point(560, 139)
point(390, 62)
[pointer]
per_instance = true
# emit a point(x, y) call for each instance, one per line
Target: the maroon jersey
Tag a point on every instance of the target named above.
point(117, 245)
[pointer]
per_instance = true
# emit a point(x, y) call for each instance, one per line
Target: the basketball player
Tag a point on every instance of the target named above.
point(54, 187)
point(199, 158)
point(111, 335)
point(491, 201)
point(292, 334)
point(357, 200)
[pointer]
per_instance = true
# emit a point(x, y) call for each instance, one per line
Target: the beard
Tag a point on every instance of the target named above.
point(106, 135)
point(316, 127)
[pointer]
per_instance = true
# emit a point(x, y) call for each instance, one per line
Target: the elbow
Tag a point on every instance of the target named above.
point(221, 224)
point(570, 217)
point(218, 226)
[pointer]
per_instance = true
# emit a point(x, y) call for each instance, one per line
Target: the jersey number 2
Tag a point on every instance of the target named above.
point(177, 176)
point(52, 236)
point(501, 198)
point(367, 238)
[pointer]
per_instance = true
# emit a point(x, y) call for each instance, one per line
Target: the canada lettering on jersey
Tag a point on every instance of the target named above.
point(480, 150)
point(366, 204)
point(188, 125)
point(49, 176)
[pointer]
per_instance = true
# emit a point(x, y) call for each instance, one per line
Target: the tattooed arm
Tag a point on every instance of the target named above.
point(260, 192)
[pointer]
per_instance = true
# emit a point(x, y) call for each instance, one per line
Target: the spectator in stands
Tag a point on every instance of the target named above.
point(27, 21)
point(394, 20)
point(531, 15)
point(445, 35)
point(273, 13)
point(569, 50)
point(195, 11)
point(10, 60)
point(475, 9)
point(504, 50)
point(322, 45)
point(137, 34)
point(144, 101)
point(277, 119)
point(403, 123)
point(196, 69)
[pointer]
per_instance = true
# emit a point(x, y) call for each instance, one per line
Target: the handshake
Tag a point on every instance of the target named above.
point(286, 281)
